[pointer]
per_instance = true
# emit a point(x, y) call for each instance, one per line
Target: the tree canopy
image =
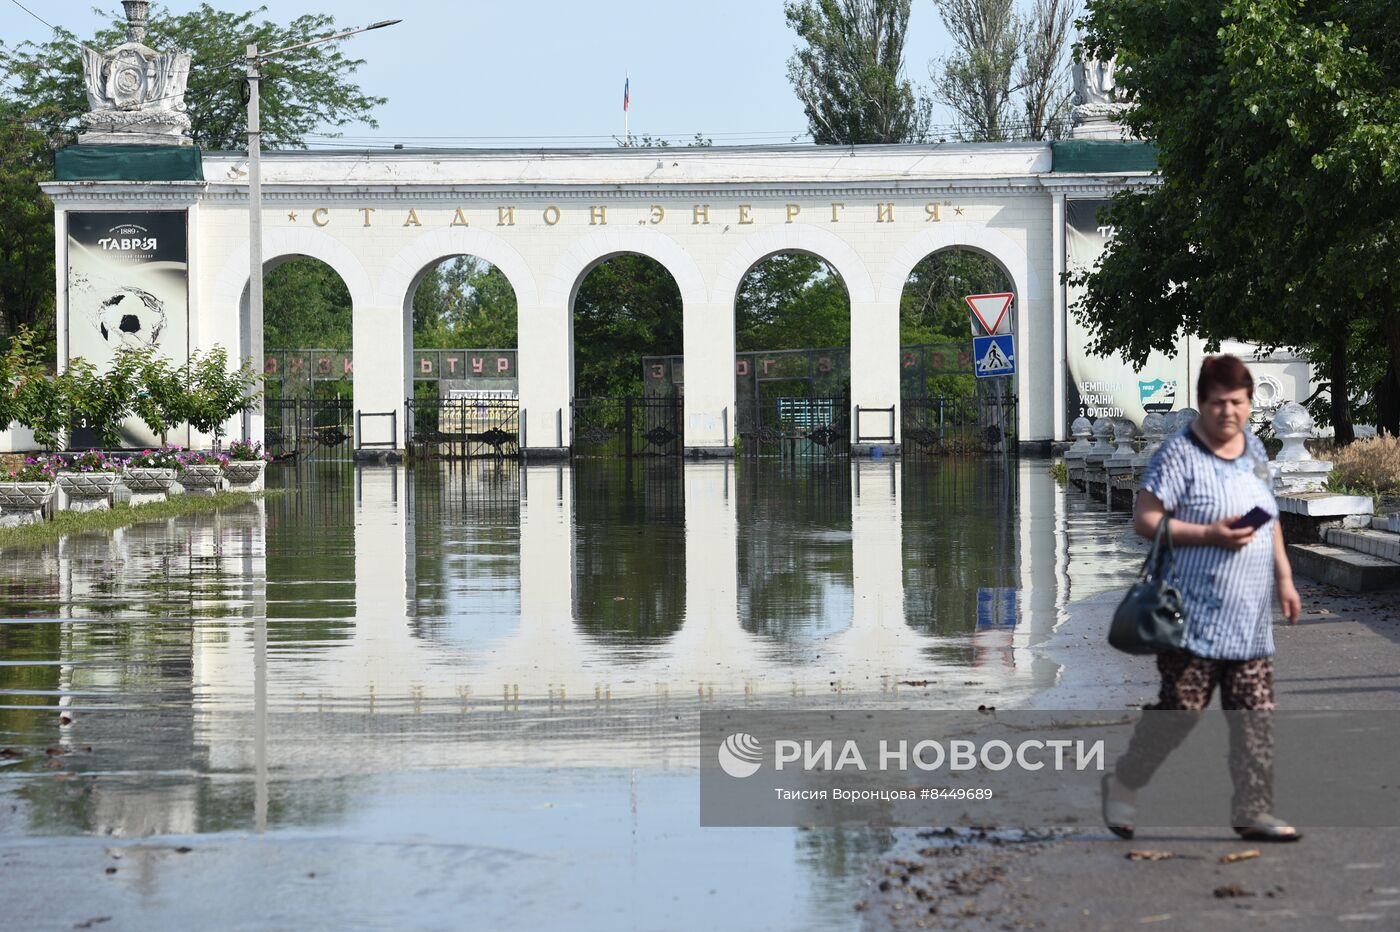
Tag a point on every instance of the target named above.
point(1277, 124)
point(627, 307)
point(301, 91)
point(1006, 77)
point(849, 73)
point(465, 302)
point(42, 98)
point(793, 300)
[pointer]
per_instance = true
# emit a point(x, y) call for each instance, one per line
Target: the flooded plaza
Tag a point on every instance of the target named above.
point(477, 685)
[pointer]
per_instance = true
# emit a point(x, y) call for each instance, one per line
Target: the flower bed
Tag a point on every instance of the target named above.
point(87, 479)
point(25, 491)
point(201, 473)
point(244, 465)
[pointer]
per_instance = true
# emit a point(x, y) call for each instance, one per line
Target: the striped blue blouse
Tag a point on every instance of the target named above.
point(1228, 594)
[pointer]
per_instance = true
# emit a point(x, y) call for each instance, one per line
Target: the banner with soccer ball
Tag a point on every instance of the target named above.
point(128, 287)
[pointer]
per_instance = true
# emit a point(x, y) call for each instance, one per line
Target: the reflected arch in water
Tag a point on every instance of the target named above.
point(465, 591)
point(950, 564)
point(629, 554)
point(796, 577)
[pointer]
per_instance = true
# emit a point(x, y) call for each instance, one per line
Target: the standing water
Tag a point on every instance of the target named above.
point(466, 695)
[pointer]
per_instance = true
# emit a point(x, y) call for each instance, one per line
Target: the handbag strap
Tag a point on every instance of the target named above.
point(1162, 551)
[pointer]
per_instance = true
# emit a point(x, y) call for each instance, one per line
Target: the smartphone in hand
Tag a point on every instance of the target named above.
point(1256, 518)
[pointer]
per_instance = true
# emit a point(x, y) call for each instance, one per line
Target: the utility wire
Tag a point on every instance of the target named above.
point(35, 15)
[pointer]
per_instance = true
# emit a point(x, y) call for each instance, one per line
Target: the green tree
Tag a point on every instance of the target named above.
point(792, 300)
point(305, 306)
point(465, 303)
point(301, 91)
point(849, 71)
point(1005, 62)
point(1278, 132)
point(26, 235)
point(628, 307)
point(42, 96)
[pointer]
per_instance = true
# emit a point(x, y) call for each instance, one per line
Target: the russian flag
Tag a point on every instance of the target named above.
point(626, 94)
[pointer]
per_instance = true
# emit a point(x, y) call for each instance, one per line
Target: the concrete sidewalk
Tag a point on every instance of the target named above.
point(1343, 654)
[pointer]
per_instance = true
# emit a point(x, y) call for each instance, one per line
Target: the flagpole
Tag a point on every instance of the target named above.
point(627, 85)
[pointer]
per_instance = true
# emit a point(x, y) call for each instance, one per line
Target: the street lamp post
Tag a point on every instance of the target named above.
point(253, 421)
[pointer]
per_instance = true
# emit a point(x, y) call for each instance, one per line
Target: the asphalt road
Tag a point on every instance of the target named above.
point(1343, 654)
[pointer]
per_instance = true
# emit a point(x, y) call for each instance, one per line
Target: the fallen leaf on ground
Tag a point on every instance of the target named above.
point(1232, 890)
point(1234, 856)
point(1144, 854)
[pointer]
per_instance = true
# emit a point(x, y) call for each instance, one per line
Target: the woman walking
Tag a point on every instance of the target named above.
point(1207, 477)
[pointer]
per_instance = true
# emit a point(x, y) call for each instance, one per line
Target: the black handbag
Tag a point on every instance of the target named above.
point(1151, 619)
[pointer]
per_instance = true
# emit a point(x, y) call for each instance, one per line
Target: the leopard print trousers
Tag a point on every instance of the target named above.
point(1187, 684)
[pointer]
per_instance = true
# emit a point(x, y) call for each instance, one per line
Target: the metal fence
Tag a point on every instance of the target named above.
point(978, 423)
point(649, 426)
point(463, 428)
point(794, 427)
point(309, 428)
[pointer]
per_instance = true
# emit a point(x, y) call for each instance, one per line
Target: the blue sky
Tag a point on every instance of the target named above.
point(537, 71)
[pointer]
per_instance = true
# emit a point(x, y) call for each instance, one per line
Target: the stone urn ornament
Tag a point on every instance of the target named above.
point(1081, 430)
point(87, 480)
point(150, 474)
point(202, 473)
point(1294, 426)
point(25, 492)
point(246, 460)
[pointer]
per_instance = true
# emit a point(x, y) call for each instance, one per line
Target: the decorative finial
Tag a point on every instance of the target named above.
point(138, 13)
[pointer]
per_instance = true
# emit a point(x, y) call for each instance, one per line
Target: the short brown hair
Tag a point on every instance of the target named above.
point(1225, 373)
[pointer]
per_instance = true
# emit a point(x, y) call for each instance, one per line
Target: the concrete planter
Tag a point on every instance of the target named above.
point(202, 478)
point(23, 503)
point(147, 484)
point(245, 475)
point(87, 491)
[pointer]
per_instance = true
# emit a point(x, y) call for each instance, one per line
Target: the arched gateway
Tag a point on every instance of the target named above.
point(545, 218)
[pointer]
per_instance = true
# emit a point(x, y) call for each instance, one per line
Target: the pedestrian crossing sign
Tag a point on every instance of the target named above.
point(993, 356)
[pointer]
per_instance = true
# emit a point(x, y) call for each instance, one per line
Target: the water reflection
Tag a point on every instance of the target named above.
point(795, 572)
point(629, 552)
point(371, 646)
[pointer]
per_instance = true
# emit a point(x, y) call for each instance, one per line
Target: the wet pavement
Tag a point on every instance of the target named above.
point(466, 696)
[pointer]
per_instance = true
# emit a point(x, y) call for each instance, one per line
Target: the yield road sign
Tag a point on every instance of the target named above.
point(991, 311)
point(993, 356)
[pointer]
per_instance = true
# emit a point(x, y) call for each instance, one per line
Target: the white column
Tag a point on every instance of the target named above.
point(382, 341)
point(875, 366)
point(878, 641)
point(60, 271)
point(547, 651)
point(711, 634)
point(709, 376)
point(546, 362)
point(1058, 357)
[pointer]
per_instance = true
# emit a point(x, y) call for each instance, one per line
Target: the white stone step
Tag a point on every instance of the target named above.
point(1382, 544)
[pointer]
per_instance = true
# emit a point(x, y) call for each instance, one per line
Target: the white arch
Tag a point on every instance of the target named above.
point(402, 272)
point(944, 236)
point(279, 244)
point(587, 251)
point(795, 238)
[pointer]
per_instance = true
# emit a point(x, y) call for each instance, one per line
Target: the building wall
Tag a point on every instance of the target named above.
point(545, 219)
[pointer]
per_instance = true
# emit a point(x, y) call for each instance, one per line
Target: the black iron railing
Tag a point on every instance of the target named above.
point(463, 428)
point(962, 424)
point(309, 428)
point(794, 427)
point(648, 426)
